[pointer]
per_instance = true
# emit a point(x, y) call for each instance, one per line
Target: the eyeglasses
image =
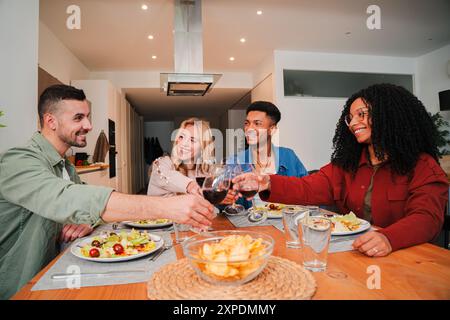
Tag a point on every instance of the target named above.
point(360, 113)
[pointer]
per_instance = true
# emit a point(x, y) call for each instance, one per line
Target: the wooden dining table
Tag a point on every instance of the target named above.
point(419, 272)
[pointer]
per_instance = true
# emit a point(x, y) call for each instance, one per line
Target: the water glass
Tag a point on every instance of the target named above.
point(314, 210)
point(314, 233)
point(291, 218)
point(182, 231)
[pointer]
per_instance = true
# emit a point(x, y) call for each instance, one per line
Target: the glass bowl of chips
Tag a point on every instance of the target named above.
point(228, 257)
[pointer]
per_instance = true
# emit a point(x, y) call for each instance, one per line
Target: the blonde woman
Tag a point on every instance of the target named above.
point(192, 150)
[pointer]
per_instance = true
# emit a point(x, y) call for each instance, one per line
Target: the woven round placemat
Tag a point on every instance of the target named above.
point(281, 279)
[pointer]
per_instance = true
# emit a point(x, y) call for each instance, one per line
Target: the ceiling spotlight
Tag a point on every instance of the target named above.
point(150, 37)
point(154, 57)
point(259, 12)
point(242, 40)
point(231, 58)
point(144, 7)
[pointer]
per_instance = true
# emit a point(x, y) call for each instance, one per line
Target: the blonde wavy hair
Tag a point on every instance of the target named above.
point(207, 151)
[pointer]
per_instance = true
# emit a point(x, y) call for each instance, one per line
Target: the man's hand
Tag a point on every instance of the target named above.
point(230, 198)
point(71, 232)
point(188, 209)
point(194, 188)
point(373, 244)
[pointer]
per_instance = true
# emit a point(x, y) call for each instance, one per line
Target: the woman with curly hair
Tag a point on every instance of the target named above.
point(175, 174)
point(384, 168)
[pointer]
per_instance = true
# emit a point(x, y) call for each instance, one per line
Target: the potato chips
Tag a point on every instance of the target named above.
point(233, 257)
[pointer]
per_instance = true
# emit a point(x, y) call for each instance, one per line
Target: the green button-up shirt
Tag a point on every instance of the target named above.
point(35, 201)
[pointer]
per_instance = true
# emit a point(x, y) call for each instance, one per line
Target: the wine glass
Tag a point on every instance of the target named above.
point(250, 187)
point(233, 171)
point(216, 185)
point(202, 170)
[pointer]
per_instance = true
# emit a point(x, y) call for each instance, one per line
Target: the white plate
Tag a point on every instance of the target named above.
point(271, 214)
point(134, 224)
point(75, 249)
point(365, 225)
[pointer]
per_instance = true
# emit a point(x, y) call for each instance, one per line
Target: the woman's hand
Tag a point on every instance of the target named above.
point(373, 244)
point(194, 188)
point(263, 181)
point(71, 232)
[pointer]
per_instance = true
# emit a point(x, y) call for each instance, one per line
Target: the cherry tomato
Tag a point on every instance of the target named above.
point(96, 243)
point(94, 253)
point(118, 248)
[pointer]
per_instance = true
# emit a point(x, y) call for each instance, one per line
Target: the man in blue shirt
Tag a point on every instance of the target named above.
point(259, 127)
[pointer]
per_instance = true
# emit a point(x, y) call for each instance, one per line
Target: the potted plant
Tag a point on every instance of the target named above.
point(443, 140)
point(1, 114)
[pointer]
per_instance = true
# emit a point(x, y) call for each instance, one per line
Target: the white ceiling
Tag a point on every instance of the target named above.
point(113, 33)
point(113, 36)
point(156, 105)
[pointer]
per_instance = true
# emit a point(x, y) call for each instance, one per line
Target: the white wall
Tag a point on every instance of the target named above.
point(236, 120)
point(162, 130)
point(264, 90)
point(19, 22)
point(307, 124)
point(57, 60)
point(100, 94)
point(263, 81)
point(432, 77)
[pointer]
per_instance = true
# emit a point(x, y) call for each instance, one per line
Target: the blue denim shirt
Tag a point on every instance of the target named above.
point(286, 163)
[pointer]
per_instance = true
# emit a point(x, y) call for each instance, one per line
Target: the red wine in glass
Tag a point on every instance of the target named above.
point(215, 196)
point(200, 180)
point(248, 193)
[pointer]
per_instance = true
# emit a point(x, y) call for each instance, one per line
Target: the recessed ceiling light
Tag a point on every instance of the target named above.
point(154, 57)
point(259, 12)
point(242, 40)
point(231, 58)
point(150, 37)
point(144, 7)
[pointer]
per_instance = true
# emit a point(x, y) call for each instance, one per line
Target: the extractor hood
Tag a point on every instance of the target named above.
point(188, 78)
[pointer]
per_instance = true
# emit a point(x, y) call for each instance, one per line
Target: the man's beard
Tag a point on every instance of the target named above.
point(73, 143)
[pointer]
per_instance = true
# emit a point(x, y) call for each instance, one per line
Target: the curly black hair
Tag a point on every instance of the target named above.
point(402, 129)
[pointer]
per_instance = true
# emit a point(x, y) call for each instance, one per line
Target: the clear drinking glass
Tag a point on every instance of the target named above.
point(314, 233)
point(291, 218)
point(314, 210)
point(182, 231)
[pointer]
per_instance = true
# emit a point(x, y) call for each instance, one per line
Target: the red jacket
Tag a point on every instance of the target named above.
point(410, 211)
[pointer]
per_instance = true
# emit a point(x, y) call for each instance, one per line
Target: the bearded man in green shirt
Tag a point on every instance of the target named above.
point(40, 192)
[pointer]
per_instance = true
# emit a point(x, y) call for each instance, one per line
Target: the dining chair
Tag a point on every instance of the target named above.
point(446, 226)
point(443, 240)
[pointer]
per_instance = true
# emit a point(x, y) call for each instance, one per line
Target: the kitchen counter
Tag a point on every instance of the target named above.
point(91, 168)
